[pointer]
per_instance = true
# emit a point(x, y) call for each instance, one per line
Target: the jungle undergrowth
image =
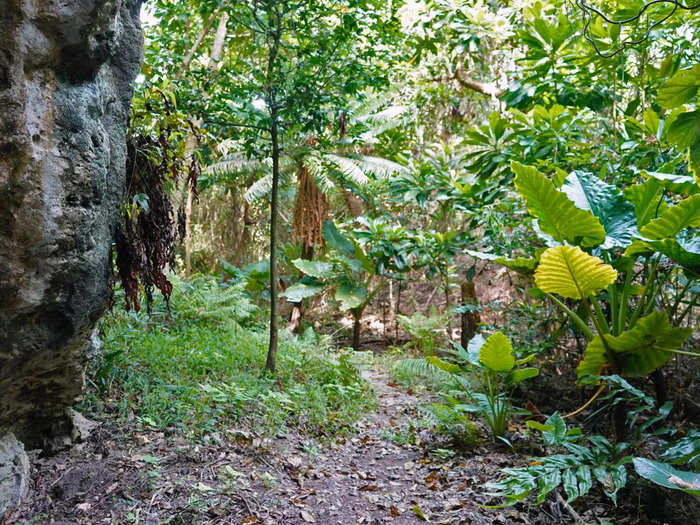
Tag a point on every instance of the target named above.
point(200, 371)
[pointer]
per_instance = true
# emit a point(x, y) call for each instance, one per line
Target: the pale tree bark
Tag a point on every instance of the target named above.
point(466, 81)
point(216, 52)
point(190, 54)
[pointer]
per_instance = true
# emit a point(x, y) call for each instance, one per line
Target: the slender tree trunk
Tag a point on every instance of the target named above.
point(470, 320)
point(216, 51)
point(188, 231)
point(245, 234)
point(190, 54)
point(657, 376)
point(448, 303)
point(397, 309)
point(271, 362)
point(276, 35)
point(356, 316)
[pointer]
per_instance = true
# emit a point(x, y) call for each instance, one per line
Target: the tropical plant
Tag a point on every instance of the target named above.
point(575, 470)
point(632, 339)
point(493, 362)
point(348, 268)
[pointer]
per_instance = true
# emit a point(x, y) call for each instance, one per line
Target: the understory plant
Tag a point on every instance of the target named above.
point(613, 264)
point(577, 460)
point(350, 267)
point(493, 364)
point(202, 371)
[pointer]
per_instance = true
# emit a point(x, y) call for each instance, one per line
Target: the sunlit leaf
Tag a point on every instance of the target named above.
point(570, 272)
point(497, 353)
point(557, 215)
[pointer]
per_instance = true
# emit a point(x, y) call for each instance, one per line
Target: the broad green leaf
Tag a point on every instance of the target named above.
point(299, 291)
point(497, 353)
point(694, 161)
point(605, 202)
point(683, 184)
point(684, 450)
point(667, 476)
point(337, 240)
point(354, 265)
point(639, 351)
point(570, 272)
point(319, 269)
point(585, 480)
point(685, 214)
point(680, 88)
point(521, 374)
point(558, 433)
point(684, 131)
point(556, 214)
point(443, 365)
point(349, 295)
point(647, 199)
point(547, 483)
point(538, 426)
point(684, 253)
point(570, 484)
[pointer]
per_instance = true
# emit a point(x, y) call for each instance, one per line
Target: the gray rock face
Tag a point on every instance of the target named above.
point(66, 74)
point(14, 472)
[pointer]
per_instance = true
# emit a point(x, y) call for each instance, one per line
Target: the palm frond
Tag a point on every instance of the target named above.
point(377, 165)
point(316, 168)
point(259, 188)
point(348, 167)
point(233, 163)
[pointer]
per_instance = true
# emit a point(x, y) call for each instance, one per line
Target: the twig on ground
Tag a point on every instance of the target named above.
point(575, 515)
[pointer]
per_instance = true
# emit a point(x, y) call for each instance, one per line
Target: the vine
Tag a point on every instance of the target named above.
point(161, 161)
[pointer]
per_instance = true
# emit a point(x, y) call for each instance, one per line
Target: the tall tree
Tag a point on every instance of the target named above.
point(291, 68)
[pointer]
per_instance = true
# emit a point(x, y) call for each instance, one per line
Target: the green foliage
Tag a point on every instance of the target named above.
point(667, 476)
point(426, 331)
point(637, 351)
point(575, 470)
point(201, 372)
point(492, 361)
point(685, 450)
point(557, 215)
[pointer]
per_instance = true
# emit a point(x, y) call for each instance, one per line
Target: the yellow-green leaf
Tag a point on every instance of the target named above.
point(497, 353)
point(443, 365)
point(683, 215)
point(557, 215)
point(570, 272)
point(639, 350)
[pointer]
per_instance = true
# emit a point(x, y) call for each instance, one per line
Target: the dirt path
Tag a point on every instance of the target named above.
point(365, 477)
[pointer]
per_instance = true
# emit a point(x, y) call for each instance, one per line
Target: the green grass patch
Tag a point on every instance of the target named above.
point(202, 370)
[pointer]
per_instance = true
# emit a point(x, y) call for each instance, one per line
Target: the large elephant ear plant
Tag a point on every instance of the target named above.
point(629, 337)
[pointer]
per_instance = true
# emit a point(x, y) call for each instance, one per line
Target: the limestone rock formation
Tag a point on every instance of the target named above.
point(66, 74)
point(14, 472)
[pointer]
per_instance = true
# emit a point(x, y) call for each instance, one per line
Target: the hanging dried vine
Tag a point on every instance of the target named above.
point(148, 232)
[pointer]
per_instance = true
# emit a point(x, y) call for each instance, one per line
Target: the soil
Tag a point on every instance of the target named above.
point(119, 476)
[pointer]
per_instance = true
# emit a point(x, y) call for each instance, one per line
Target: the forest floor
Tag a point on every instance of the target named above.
point(366, 476)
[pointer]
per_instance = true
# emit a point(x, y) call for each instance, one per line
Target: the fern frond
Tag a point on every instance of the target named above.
point(314, 165)
point(234, 163)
